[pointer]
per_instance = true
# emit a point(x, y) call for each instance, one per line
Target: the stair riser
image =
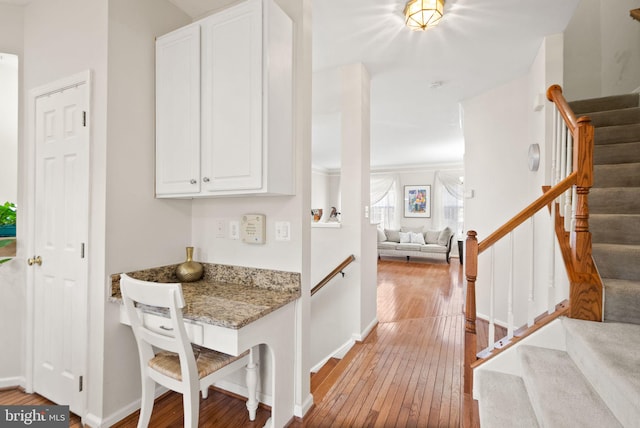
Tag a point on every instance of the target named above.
point(617, 261)
point(622, 302)
point(615, 117)
point(621, 175)
point(584, 107)
point(614, 200)
point(615, 229)
point(616, 153)
point(617, 134)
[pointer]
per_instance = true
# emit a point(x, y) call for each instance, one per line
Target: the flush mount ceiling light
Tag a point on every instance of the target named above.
point(423, 14)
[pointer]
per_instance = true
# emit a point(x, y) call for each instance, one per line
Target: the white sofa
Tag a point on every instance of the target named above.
point(410, 242)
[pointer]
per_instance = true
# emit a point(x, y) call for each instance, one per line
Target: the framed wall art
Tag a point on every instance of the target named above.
point(417, 201)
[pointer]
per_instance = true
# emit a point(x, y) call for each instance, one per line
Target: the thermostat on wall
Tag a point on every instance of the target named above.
point(252, 228)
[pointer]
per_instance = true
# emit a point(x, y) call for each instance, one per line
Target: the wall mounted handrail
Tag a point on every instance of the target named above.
point(337, 270)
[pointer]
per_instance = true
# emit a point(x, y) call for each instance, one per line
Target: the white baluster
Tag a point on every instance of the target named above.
point(551, 291)
point(568, 194)
point(492, 330)
point(510, 291)
point(532, 277)
point(563, 158)
point(556, 147)
point(574, 207)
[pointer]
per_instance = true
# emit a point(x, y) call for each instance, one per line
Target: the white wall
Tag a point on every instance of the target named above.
point(602, 50)
point(62, 38)
point(500, 124)
point(12, 274)
point(9, 127)
point(141, 231)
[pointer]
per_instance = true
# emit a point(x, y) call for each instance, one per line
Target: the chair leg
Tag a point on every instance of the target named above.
point(146, 405)
point(191, 405)
point(205, 392)
point(252, 386)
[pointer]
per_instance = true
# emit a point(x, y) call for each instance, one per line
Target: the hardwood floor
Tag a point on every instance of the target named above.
point(407, 373)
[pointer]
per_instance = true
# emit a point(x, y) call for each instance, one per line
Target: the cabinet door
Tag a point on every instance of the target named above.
point(232, 99)
point(178, 112)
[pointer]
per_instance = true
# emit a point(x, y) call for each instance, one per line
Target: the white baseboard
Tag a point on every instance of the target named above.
point(300, 410)
point(362, 336)
point(9, 382)
point(339, 353)
point(95, 421)
point(636, 90)
point(241, 390)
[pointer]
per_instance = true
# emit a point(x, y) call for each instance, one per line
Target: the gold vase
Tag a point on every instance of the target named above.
point(189, 271)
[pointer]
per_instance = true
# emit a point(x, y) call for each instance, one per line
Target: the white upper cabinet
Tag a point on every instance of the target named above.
point(244, 100)
point(178, 112)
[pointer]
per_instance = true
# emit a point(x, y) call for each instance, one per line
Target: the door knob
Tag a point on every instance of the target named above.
point(35, 261)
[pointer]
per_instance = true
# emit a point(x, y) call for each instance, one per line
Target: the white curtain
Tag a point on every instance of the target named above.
point(384, 200)
point(448, 200)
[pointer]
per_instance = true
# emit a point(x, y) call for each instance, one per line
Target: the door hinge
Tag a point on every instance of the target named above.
point(80, 384)
point(82, 250)
point(84, 118)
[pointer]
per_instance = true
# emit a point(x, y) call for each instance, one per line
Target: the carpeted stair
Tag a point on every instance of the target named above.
point(580, 373)
point(593, 382)
point(614, 201)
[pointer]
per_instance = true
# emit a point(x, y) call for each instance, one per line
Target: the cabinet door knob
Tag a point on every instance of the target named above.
point(205, 179)
point(193, 181)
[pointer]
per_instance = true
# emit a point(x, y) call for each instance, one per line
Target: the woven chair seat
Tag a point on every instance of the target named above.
point(207, 360)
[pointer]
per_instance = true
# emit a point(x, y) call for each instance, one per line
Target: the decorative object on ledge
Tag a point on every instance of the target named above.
point(333, 215)
point(635, 14)
point(189, 271)
point(423, 14)
point(417, 201)
point(316, 213)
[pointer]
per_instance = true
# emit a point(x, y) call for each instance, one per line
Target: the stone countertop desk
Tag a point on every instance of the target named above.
point(226, 296)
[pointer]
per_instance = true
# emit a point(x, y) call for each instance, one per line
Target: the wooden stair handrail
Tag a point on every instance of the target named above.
point(333, 273)
point(529, 211)
point(585, 285)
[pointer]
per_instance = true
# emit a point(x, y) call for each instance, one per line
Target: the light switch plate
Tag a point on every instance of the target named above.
point(283, 231)
point(234, 229)
point(219, 227)
point(252, 228)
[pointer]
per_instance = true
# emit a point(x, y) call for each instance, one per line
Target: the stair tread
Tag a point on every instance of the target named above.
point(606, 154)
point(503, 401)
point(546, 374)
point(615, 117)
point(614, 102)
point(608, 355)
point(617, 175)
point(617, 134)
point(614, 200)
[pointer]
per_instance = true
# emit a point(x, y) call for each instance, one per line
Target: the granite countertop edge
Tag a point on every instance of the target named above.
point(227, 296)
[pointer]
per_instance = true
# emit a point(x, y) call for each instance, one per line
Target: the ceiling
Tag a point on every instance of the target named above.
point(417, 78)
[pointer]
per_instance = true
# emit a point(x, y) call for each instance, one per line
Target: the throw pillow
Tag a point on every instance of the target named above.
point(431, 236)
point(443, 239)
point(381, 236)
point(405, 238)
point(392, 235)
point(417, 238)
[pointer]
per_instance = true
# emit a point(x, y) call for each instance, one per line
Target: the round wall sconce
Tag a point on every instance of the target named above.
point(534, 157)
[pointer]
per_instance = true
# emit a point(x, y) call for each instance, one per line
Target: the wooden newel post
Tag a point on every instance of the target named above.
point(470, 338)
point(583, 161)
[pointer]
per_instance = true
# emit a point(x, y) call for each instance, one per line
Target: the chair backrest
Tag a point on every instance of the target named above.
point(171, 338)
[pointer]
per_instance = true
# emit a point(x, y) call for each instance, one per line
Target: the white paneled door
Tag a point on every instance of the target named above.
point(60, 259)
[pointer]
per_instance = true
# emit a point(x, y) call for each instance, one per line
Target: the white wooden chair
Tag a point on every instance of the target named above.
point(175, 363)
